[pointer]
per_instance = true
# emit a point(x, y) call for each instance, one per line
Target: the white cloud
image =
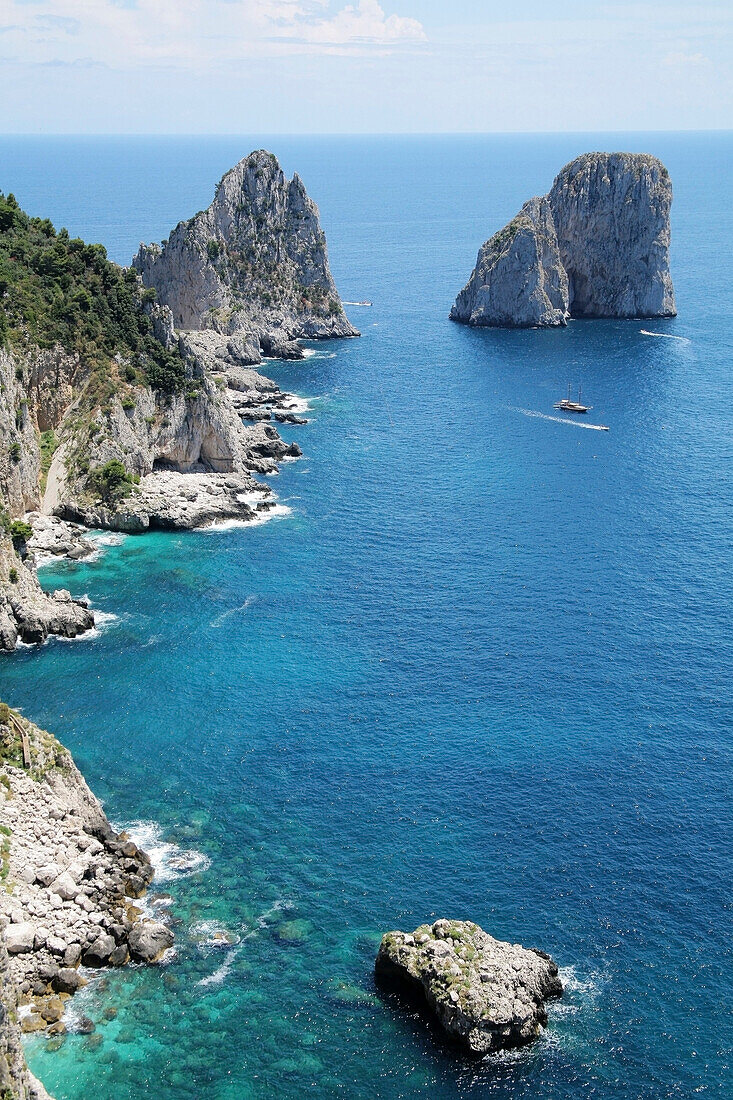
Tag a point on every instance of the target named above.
point(365, 23)
point(196, 33)
point(679, 59)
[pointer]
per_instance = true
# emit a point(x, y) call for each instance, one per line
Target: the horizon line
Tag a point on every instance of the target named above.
point(349, 133)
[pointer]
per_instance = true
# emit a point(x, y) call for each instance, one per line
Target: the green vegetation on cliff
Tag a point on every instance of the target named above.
point(55, 289)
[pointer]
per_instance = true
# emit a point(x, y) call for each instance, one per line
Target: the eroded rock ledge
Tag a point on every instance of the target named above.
point(596, 246)
point(486, 994)
point(71, 880)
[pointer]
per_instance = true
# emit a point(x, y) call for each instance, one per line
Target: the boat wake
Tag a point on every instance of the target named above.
point(562, 420)
point(665, 336)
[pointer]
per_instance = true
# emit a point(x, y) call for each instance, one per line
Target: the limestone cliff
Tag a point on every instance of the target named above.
point(486, 994)
point(254, 262)
point(110, 417)
point(519, 279)
point(596, 246)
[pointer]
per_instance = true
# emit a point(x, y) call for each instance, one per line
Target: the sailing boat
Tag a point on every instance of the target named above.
point(571, 406)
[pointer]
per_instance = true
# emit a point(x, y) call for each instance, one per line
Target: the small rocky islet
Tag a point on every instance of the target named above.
point(487, 995)
point(596, 246)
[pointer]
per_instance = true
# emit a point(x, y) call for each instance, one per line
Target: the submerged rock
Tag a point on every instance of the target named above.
point(486, 994)
point(596, 246)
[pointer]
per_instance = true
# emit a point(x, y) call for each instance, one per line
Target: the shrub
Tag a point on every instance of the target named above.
point(20, 531)
point(48, 446)
point(14, 451)
point(128, 402)
point(213, 248)
point(57, 290)
point(13, 578)
point(111, 481)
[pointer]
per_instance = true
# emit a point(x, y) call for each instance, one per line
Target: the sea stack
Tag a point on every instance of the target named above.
point(254, 263)
point(596, 246)
point(486, 994)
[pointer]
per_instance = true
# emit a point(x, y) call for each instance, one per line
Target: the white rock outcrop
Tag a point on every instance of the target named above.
point(596, 246)
point(254, 263)
point(486, 994)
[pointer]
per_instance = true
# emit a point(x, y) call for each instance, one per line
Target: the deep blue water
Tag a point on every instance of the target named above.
point(481, 670)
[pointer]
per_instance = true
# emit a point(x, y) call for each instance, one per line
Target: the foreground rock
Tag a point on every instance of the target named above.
point(254, 264)
point(596, 246)
point(55, 538)
point(71, 879)
point(168, 500)
point(486, 994)
point(27, 613)
point(16, 1080)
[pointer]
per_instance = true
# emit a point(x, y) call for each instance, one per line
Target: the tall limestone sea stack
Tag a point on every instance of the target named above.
point(254, 263)
point(596, 246)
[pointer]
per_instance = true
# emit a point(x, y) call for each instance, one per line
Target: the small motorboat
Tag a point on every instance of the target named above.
point(571, 406)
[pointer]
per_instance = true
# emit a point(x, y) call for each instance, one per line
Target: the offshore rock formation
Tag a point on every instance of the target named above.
point(255, 263)
point(519, 279)
point(71, 879)
point(596, 246)
point(486, 994)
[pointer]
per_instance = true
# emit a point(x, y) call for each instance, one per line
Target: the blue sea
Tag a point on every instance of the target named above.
point(480, 669)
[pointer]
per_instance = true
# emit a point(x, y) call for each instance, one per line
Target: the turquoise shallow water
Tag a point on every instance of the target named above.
point(481, 669)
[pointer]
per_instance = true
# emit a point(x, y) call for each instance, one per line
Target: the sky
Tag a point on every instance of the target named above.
point(365, 66)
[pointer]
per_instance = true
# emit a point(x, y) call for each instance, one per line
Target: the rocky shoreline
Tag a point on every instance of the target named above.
point(72, 883)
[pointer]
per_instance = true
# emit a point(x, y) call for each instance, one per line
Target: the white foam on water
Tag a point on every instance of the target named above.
point(219, 976)
point(212, 935)
point(221, 619)
point(586, 988)
point(221, 973)
point(296, 404)
point(279, 511)
point(104, 619)
point(106, 538)
point(562, 420)
point(170, 861)
point(665, 336)
point(102, 540)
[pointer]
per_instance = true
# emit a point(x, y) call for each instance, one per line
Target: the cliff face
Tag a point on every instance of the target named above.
point(16, 1080)
point(254, 262)
point(519, 278)
point(110, 417)
point(596, 246)
point(612, 217)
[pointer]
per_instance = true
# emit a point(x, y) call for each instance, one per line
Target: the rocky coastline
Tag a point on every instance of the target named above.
point(596, 246)
point(117, 414)
point(72, 885)
point(188, 460)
